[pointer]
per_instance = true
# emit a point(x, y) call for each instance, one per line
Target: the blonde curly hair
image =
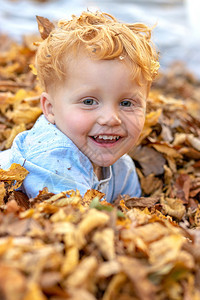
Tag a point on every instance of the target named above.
point(102, 37)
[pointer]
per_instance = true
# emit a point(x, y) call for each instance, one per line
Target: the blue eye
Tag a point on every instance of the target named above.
point(126, 103)
point(89, 101)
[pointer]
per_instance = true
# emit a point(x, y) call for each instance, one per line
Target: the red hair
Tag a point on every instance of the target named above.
point(102, 37)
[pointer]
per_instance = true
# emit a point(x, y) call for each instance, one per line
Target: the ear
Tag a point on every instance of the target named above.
point(47, 107)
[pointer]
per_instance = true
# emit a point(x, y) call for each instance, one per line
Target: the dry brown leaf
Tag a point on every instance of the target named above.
point(167, 150)
point(141, 202)
point(106, 269)
point(151, 119)
point(104, 240)
point(142, 287)
point(90, 195)
point(151, 232)
point(197, 217)
point(12, 283)
point(182, 186)
point(190, 153)
point(93, 219)
point(139, 217)
point(149, 159)
point(114, 286)
point(179, 138)
point(83, 275)
point(61, 199)
point(165, 250)
point(194, 141)
point(45, 26)
point(168, 175)
point(173, 207)
point(151, 184)
point(2, 192)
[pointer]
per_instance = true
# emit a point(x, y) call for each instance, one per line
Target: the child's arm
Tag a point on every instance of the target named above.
point(56, 182)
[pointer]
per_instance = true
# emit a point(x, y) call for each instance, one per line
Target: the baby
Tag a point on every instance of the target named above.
point(96, 73)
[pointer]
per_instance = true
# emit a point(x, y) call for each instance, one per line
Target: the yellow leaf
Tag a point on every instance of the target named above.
point(150, 120)
point(34, 292)
point(114, 286)
point(105, 242)
point(2, 192)
point(84, 273)
point(15, 130)
point(15, 172)
point(24, 113)
point(70, 261)
point(33, 69)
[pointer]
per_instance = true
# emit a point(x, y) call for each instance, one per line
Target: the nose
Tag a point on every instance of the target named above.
point(109, 117)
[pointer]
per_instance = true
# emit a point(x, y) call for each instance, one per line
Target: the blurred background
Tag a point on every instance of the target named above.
point(177, 32)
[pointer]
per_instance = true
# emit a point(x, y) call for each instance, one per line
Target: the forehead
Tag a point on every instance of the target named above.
point(83, 62)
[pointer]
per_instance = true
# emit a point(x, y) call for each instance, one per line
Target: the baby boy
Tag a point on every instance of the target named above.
point(96, 74)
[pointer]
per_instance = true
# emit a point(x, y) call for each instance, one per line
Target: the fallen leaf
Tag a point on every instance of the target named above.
point(173, 207)
point(44, 26)
point(2, 193)
point(104, 240)
point(149, 159)
point(16, 173)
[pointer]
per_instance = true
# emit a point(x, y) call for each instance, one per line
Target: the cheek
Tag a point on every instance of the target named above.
point(135, 124)
point(79, 123)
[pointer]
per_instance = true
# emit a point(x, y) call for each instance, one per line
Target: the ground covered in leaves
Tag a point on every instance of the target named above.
point(70, 247)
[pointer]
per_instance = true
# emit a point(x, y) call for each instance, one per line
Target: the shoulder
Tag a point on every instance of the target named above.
point(42, 138)
point(45, 145)
point(124, 164)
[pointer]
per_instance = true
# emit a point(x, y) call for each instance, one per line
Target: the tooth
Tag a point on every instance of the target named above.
point(107, 137)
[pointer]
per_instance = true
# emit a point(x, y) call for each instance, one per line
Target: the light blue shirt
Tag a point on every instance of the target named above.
point(54, 161)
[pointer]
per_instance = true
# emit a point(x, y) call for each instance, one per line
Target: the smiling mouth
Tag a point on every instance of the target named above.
point(106, 139)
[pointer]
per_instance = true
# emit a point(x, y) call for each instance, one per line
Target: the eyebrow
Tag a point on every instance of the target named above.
point(138, 96)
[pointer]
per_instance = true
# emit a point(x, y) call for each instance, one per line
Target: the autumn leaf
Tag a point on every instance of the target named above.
point(15, 174)
point(15, 130)
point(173, 207)
point(44, 26)
point(2, 192)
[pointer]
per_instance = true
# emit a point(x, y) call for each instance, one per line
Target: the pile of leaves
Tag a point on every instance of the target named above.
point(66, 246)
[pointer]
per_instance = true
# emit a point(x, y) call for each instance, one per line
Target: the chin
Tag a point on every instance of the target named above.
point(105, 162)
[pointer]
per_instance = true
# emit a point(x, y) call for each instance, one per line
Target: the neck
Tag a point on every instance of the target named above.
point(97, 171)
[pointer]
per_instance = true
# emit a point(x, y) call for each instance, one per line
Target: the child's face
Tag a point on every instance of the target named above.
point(99, 108)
